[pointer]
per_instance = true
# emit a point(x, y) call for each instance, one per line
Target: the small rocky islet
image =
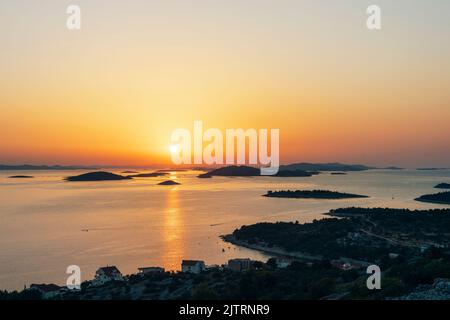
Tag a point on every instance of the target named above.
point(169, 183)
point(20, 177)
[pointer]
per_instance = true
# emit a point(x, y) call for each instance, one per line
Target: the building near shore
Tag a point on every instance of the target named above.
point(192, 266)
point(346, 265)
point(240, 264)
point(150, 270)
point(107, 274)
point(214, 267)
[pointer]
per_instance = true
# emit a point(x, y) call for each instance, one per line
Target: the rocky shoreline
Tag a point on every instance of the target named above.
point(275, 251)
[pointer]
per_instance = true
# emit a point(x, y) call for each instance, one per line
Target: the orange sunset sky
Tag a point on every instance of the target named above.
point(113, 92)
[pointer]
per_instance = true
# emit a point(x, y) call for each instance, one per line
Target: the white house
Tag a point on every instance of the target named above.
point(107, 274)
point(192, 266)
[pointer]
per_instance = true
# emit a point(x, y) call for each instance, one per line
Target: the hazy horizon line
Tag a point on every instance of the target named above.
point(162, 165)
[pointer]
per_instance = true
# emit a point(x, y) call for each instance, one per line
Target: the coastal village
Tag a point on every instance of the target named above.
point(110, 283)
point(111, 274)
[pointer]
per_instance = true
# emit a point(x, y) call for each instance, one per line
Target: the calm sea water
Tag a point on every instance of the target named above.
point(47, 224)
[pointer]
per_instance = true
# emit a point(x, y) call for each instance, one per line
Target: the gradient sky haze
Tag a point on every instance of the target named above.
point(113, 92)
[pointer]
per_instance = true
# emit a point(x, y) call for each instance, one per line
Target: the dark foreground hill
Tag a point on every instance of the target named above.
point(359, 233)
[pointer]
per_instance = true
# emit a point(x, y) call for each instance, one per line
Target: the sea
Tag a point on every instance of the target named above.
point(48, 224)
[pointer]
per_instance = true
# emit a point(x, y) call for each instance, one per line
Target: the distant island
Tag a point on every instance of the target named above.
point(440, 198)
point(312, 194)
point(431, 169)
point(97, 176)
point(168, 183)
point(34, 167)
point(247, 171)
point(442, 186)
point(338, 173)
point(235, 171)
point(148, 175)
point(128, 171)
point(295, 173)
point(201, 168)
point(325, 167)
point(20, 177)
point(204, 176)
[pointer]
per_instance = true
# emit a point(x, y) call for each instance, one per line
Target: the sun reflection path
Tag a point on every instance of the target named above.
point(173, 233)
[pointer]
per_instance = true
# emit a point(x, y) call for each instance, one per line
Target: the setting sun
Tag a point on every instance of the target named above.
point(173, 148)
